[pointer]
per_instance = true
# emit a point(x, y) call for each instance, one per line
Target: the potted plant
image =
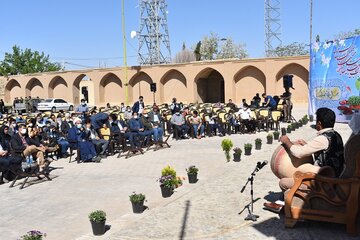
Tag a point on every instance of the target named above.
point(97, 220)
point(237, 154)
point(296, 125)
point(288, 130)
point(283, 131)
point(192, 172)
point(300, 122)
point(167, 184)
point(277, 134)
point(269, 138)
point(258, 142)
point(354, 102)
point(226, 145)
point(33, 235)
point(247, 148)
point(137, 201)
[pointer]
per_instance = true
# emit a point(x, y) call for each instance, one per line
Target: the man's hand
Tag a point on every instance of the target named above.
point(301, 142)
point(97, 138)
point(3, 153)
point(141, 129)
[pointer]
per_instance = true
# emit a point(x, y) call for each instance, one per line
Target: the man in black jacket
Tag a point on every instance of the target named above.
point(20, 145)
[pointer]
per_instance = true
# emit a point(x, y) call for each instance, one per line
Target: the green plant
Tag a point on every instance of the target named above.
point(167, 181)
point(237, 151)
point(97, 216)
point(137, 198)
point(258, 141)
point(247, 146)
point(305, 118)
point(226, 145)
point(289, 127)
point(269, 136)
point(168, 171)
point(33, 235)
point(192, 170)
point(277, 134)
point(354, 100)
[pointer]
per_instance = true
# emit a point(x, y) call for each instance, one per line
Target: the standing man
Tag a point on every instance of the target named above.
point(139, 106)
point(174, 107)
point(286, 96)
point(83, 107)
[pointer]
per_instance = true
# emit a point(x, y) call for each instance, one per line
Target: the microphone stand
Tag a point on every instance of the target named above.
point(251, 216)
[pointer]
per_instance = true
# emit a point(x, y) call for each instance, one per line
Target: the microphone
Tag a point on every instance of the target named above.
point(260, 165)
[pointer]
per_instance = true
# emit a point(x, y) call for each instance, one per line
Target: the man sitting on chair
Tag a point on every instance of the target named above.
point(327, 148)
point(269, 102)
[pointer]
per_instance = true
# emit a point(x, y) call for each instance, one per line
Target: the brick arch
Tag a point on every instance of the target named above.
point(58, 88)
point(210, 86)
point(139, 85)
point(13, 89)
point(34, 88)
point(76, 87)
point(300, 81)
point(249, 80)
point(111, 90)
point(172, 84)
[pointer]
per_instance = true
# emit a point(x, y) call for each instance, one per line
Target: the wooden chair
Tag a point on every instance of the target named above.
point(263, 119)
point(320, 198)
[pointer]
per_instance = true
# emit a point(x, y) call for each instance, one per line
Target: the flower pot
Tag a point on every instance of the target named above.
point(247, 151)
point(98, 228)
point(269, 141)
point(311, 118)
point(297, 125)
point(276, 136)
point(283, 132)
point(237, 157)
point(138, 207)
point(166, 192)
point(288, 130)
point(257, 146)
point(192, 178)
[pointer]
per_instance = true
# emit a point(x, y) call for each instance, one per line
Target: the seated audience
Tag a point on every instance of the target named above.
point(178, 122)
point(215, 127)
point(197, 124)
point(245, 118)
point(93, 136)
point(157, 123)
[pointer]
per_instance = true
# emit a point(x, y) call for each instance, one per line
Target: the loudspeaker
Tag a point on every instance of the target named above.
point(287, 81)
point(83, 90)
point(153, 87)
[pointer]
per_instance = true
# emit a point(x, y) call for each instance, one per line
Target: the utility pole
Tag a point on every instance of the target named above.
point(125, 60)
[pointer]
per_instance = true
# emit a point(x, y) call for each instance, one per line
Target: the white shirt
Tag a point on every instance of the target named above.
point(140, 108)
point(244, 114)
point(156, 118)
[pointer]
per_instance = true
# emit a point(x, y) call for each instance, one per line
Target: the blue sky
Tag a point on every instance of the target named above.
point(73, 30)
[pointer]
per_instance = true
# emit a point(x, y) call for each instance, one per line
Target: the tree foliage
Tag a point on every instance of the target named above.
point(185, 55)
point(212, 47)
point(26, 61)
point(293, 49)
point(347, 34)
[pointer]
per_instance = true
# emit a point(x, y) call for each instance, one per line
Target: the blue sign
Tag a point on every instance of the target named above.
point(335, 76)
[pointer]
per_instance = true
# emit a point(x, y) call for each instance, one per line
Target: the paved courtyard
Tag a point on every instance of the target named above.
point(208, 209)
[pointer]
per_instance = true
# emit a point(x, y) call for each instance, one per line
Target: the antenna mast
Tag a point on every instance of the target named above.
point(272, 27)
point(154, 43)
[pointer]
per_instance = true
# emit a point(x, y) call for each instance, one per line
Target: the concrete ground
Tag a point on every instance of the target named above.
point(208, 209)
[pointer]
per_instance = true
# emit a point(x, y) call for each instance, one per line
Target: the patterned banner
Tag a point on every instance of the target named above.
point(335, 77)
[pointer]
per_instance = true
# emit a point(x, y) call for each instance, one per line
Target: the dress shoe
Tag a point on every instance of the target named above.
point(274, 207)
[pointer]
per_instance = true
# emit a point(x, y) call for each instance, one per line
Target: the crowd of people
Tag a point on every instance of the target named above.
point(96, 133)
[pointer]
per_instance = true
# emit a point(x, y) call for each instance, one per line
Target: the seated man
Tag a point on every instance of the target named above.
point(21, 145)
point(269, 102)
point(327, 148)
point(215, 126)
point(178, 122)
point(55, 138)
point(245, 118)
point(157, 123)
point(137, 128)
point(231, 105)
point(197, 124)
point(95, 139)
point(244, 104)
point(8, 162)
point(79, 139)
point(256, 101)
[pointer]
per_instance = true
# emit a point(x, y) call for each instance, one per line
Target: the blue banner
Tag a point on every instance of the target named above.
point(335, 77)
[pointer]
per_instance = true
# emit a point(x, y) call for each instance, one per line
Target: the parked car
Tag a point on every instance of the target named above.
point(55, 104)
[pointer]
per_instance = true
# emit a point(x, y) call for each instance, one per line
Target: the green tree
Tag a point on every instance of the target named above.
point(209, 47)
point(292, 49)
point(26, 61)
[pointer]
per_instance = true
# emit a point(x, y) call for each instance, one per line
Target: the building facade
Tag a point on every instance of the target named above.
point(205, 81)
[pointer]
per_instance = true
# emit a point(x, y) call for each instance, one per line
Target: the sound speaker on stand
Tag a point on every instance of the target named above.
point(288, 81)
point(153, 87)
